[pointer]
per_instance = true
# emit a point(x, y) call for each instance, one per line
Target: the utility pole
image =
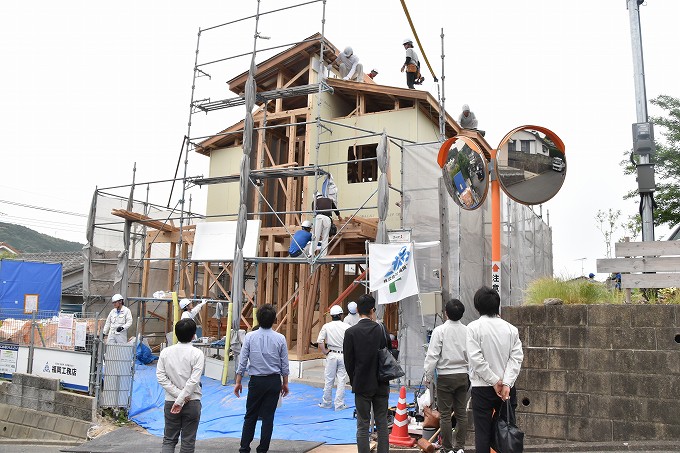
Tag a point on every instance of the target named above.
point(643, 132)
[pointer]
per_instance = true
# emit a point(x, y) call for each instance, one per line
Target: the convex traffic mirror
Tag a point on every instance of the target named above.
point(464, 170)
point(530, 164)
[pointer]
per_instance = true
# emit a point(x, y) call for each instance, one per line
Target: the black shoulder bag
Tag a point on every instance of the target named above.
point(507, 437)
point(388, 367)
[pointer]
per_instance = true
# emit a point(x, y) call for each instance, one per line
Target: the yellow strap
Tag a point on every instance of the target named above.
point(415, 35)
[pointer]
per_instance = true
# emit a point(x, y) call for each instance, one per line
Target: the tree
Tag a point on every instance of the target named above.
point(666, 160)
point(607, 226)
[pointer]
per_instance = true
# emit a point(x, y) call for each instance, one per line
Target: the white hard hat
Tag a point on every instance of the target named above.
point(352, 307)
point(348, 51)
point(116, 298)
point(336, 310)
point(407, 40)
point(183, 303)
point(466, 108)
point(306, 224)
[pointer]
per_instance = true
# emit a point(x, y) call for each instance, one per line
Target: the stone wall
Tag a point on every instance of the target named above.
point(599, 372)
point(36, 406)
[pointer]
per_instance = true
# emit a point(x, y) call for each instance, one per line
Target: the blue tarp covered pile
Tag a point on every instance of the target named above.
point(299, 417)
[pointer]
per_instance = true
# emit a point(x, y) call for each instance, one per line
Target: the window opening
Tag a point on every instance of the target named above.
point(363, 165)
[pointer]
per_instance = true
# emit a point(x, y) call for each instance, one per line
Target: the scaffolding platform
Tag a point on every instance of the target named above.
point(263, 96)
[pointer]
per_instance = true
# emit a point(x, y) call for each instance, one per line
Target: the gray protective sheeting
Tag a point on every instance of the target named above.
point(526, 243)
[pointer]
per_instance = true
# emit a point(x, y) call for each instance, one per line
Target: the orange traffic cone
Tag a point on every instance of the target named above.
point(399, 435)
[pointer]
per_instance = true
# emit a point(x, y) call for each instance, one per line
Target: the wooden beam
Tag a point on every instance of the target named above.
point(649, 264)
point(650, 248)
point(144, 220)
point(669, 280)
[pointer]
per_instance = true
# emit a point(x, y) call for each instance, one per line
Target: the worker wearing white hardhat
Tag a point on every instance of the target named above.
point(467, 119)
point(300, 239)
point(188, 309)
point(349, 66)
point(353, 317)
point(118, 322)
point(330, 340)
point(411, 64)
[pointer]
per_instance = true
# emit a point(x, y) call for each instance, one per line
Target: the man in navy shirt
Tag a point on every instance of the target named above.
point(300, 239)
point(265, 356)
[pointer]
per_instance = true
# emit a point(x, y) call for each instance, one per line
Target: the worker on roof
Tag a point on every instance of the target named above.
point(411, 65)
point(467, 119)
point(349, 66)
point(323, 208)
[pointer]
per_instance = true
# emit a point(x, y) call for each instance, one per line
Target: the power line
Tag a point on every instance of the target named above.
point(58, 211)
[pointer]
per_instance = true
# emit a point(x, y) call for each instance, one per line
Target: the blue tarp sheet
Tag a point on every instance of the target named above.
point(299, 417)
point(18, 278)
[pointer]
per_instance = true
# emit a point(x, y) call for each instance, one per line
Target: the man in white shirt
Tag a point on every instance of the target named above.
point(179, 372)
point(495, 354)
point(349, 66)
point(331, 338)
point(446, 353)
point(353, 317)
point(118, 322)
point(467, 119)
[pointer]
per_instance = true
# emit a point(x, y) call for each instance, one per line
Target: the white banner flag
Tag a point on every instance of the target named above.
point(393, 272)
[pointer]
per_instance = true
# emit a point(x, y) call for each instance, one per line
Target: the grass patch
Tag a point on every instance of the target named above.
point(571, 292)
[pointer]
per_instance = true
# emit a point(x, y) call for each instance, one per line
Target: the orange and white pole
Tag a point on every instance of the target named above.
point(495, 228)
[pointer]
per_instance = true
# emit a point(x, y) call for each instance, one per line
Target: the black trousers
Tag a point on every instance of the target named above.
point(411, 79)
point(484, 403)
point(184, 423)
point(377, 401)
point(263, 395)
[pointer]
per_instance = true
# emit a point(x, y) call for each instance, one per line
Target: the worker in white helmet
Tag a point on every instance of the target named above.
point(188, 309)
point(353, 317)
point(118, 322)
point(330, 340)
point(411, 64)
point(467, 119)
point(349, 66)
point(300, 239)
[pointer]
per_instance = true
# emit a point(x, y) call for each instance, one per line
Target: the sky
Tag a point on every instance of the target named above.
point(89, 89)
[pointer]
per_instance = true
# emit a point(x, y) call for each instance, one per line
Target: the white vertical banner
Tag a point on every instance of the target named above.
point(392, 271)
point(496, 276)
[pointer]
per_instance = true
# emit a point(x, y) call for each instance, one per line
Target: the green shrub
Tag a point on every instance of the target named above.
point(579, 291)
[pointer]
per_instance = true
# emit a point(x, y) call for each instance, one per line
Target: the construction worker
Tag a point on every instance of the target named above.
point(331, 338)
point(188, 309)
point(467, 119)
point(300, 239)
point(118, 322)
point(323, 209)
point(349, 66)
point(353, 317)
point(411, 65)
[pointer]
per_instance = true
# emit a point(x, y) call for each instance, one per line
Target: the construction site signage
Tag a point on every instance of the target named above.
point(8, 359)
point(496, 276)
point(392, 271)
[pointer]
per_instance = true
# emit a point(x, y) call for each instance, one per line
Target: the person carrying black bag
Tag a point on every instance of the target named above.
point(360, 351)
point(495, 355)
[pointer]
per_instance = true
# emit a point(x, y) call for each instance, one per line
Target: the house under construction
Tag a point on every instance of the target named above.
point(310, 131)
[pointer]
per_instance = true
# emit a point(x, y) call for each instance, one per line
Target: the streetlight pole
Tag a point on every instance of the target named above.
point(644, 166)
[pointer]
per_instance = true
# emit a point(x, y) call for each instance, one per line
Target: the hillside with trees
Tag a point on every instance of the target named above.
point(26, 240)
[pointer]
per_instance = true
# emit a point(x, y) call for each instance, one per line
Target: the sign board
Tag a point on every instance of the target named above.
point(398, 236)
point(71, 368)
point(8, 359)
point(216, 241)
point(496, 276)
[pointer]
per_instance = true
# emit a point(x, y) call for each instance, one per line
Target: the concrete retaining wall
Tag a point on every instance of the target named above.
point(599, 372)
point(35, 407)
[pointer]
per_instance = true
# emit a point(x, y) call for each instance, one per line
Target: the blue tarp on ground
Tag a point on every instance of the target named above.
point(299, 417)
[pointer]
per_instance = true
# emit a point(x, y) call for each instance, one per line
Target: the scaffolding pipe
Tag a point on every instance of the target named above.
point(261, 14)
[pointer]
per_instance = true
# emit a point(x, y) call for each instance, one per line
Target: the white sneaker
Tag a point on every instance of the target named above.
point(325, 405)
point(341, 407)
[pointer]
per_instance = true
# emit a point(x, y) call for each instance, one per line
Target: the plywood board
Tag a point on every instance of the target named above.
point(651, 248)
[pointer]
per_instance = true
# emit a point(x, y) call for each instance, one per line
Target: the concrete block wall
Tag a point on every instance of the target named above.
point(598, 372)
point(43, 396)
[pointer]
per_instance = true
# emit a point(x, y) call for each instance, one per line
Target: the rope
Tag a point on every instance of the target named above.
point(415, 35)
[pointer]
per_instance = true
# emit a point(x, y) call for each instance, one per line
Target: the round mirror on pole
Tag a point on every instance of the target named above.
point(465, 171)
point(531, 164)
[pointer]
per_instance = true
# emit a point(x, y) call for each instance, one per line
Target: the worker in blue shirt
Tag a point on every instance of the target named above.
point(300, 239)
